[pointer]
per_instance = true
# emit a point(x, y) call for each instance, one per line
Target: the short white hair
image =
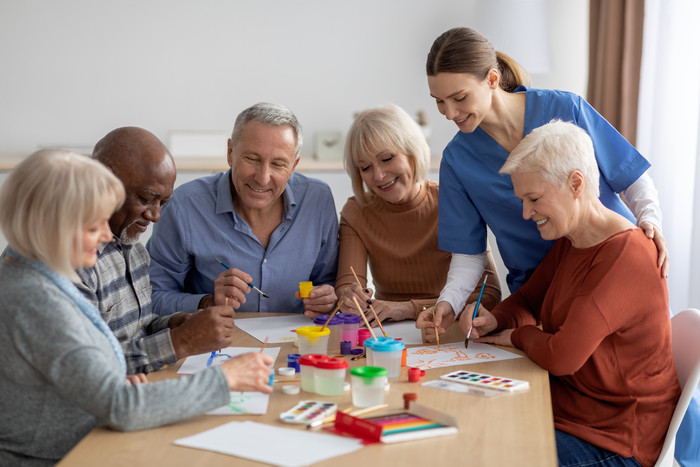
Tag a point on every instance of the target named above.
point(47, 200)
point(554, 151)
point(385, 127)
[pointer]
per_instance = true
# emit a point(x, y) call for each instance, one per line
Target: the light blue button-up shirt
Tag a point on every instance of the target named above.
point(199, 224)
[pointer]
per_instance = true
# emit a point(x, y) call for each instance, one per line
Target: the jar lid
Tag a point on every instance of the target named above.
point(389, 345)
point(364, 332)
point(372, 342)
point(410, 396)
point(369, 371)
point(313, 331)
point(332, 364)
point(321, 320)
point(312, 358)
point(349, 318)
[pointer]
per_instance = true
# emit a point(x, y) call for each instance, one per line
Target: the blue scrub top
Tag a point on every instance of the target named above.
point(473, 194)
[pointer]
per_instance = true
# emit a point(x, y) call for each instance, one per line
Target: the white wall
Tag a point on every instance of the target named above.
point(75, 69)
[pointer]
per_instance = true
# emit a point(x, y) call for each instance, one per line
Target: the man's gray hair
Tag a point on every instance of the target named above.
point(554, 151)
point(271, 115)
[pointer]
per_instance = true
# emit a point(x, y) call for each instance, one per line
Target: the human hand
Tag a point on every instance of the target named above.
point(363, 297)
point(483, 324)
point(232, 284)
point(654, 233)
point(177, 319)
point(444, 316)
point(136, 379)
point(249, 372)
point(206, 330)
point(321, 300)
point(396, 311)
point(500, 338)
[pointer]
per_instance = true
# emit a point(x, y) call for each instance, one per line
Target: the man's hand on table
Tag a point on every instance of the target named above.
point(204, 331)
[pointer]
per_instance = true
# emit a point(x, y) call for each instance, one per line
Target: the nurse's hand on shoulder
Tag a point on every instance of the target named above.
point(654, 233)
point(249, 372)
point(483, 324)
point(321, 300)
point(444, 316)
point(500, 338)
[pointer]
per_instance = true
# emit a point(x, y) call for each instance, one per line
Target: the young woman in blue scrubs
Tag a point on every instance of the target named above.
point(483, 92)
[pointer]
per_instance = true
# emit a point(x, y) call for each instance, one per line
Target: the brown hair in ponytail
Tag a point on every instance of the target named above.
point(463, 50)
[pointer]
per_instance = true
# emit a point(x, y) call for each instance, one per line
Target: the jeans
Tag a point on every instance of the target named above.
point(573, 451)
point(687, 451)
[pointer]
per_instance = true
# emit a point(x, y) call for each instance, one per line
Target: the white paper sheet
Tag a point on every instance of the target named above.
point(251, 440)
point(196, 363)
point(405, 331)
point(278, 328)
point(455, 354)
point(244, 403)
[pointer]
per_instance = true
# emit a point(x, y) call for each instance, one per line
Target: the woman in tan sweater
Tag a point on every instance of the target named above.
point(392, 221)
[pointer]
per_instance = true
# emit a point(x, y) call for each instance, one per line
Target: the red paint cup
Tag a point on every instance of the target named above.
point(415, 374)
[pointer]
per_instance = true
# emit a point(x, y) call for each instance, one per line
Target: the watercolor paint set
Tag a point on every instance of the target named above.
point(309, 411)
point(486, 381)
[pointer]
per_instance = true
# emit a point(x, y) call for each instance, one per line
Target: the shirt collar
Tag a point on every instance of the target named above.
point(224, 197)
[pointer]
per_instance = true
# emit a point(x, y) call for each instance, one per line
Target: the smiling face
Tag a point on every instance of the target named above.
point(463, 98)
point(92, 236)
point(390, 175)
point(262, 163)
point(551, 208)
point(148, 185)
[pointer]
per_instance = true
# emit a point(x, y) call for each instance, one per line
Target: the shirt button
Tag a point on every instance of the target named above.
point(265, 260)
point(165, 367)
point(140, 323)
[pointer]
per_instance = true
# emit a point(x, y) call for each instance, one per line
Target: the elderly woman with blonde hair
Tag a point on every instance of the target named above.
point(605, 334)
point(391, 222)
point(63, 371)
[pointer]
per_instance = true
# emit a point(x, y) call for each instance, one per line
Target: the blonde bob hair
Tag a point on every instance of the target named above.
point(554, 151)
point(375, 130)
point(47, 200)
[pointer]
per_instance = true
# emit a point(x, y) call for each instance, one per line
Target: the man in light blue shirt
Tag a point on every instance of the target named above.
point(274, 228)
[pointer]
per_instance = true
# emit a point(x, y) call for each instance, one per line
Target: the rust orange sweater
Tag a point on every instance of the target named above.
point(401, 244)
point(605, 340)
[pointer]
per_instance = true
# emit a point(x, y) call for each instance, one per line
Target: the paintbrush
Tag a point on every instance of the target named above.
point(340, 303)
point(364, 318)
point(264, 344)
point(437, 336)
point(370, 305)
point(249, 285)
point(476, 310)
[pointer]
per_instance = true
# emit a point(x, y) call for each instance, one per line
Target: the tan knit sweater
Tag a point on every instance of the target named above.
point(401, 244)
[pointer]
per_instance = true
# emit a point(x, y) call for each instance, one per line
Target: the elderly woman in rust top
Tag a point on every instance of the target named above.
point(601, 302)
point(391, 222)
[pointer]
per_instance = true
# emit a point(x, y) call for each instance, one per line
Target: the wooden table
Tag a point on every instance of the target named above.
point(513, 429)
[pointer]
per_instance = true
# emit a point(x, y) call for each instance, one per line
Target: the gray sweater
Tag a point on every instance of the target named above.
point(59, 377)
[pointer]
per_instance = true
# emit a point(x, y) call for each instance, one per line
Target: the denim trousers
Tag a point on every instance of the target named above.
point(573, 451)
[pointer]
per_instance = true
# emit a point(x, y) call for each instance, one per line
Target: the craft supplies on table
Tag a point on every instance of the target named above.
point(309, 411)
point(330, 376)
point(482, 380)
point(334, 324)
point(368, 384)
point(350, 327)
point(313, 340)
point(305, 289)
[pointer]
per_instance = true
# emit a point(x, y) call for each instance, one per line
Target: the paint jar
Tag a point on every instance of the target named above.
point(407, 398)
point(369, 344)
point(305, 289)
point(345, 348)
point(293, 361)
point(362, 336)
point(387, 354)
point(312, 339)
point(335, 325)
point(307, 363)
point(330, 376)
point(351, 324)
point(415, 374)
point(368, 384)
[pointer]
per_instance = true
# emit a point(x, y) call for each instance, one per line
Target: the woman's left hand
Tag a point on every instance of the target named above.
point(500, 338)
point(654, 233)
point(136, 379)
point(397, 311)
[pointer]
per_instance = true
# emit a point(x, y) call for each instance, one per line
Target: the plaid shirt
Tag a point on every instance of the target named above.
point(119, 286)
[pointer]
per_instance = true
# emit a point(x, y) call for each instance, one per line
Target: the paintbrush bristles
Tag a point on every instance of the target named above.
point(364, 318)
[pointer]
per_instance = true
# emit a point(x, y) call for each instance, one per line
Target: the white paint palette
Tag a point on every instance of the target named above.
point(486, 381)
point(309, 411)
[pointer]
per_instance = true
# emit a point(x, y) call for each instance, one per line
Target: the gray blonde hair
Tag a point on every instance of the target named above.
point(271, 115)
point(384, 127)
point(48, 198)
point(554, 151)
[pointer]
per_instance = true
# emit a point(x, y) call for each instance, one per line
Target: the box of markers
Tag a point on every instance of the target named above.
point(418, 422)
